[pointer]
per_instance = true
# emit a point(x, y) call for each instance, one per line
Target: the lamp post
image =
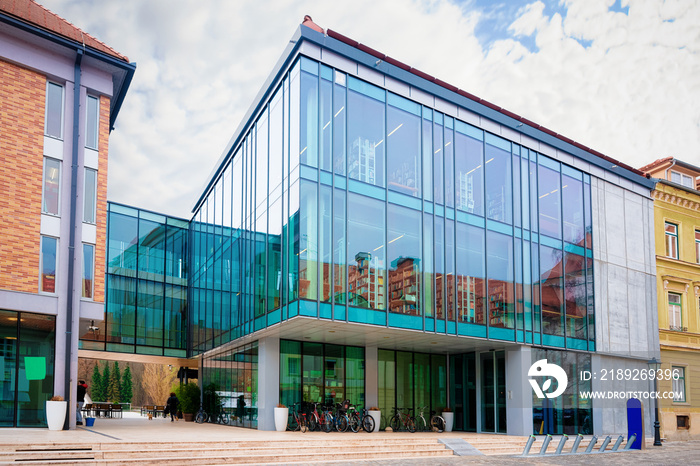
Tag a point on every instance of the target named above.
point(655, 364)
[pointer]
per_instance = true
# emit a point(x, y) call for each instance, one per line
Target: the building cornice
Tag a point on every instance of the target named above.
point(680, 201)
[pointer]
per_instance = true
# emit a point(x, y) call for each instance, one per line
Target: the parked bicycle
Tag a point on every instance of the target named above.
point(297, 419)
point(201, 415)
point(421, 423)
point(402, 420)
point(437, 422)
point(368, 423)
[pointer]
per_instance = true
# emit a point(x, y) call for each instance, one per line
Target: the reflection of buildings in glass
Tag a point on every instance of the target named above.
point(403, 179)
point(403, 286)
point(497, 205)
point(362, 160)
point(465, 200)
point(467, 300)
point(500, 304)
point(366, 282)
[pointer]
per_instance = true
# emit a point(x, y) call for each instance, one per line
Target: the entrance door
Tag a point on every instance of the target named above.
point(463, 390)
point(493, 392)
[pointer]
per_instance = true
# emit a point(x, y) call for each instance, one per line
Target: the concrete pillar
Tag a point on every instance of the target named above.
point(518, 391)
point(371, 377)
point(268, 381)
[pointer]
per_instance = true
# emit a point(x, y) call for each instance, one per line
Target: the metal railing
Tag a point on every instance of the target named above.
point(574, 449)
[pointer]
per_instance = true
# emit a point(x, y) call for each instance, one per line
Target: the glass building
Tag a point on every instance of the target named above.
point(373, 234)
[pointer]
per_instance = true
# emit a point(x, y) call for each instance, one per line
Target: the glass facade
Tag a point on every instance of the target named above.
point(27, 344)
point(387, 212)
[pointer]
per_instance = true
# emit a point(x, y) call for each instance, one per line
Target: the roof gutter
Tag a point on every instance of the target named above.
point(128, 68)
point(71, 238)
point(669, 167)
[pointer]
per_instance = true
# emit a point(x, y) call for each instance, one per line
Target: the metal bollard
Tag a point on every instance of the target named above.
point(605, 444)
point(579, 437)
point(594, 439)
point(545, 444)
point(528, 445)
point(617, 443)
point(562, 441)
point(630, 441)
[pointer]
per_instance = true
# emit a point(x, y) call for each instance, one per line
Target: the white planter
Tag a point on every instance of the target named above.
point(56, 414)
point(449, 421)
point(281, 417)
point(377, 416)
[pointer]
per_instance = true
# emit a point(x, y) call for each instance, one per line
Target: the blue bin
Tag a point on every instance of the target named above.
point(89, 421)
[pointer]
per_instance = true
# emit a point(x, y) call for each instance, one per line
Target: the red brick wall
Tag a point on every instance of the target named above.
point(22, 102)
point(100, 255)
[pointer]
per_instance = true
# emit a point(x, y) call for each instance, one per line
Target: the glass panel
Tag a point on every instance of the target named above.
point(276, 144)
point(308, 242)
point(450, 269)
point(52, 186)
point(54, 110)
point(439, 267)
point(149, 315)
point(121, 309)
point(438, 164)
point(339, 128)
point(325, 241)
point(533, 194)
point(312, 376)
point(93, 120)
point(49, 254)
point(421, 383)
point(308, 121)
point(551, 279)
point(151, 258)
point(404, 379)
point(525, 201)
point(334, 374)
point(325, 123)
point(294, 132)
point(403, 151)
point(428, 268)
point(587, 215)
point(355, 375)
point(449, 166)
point(488, 392)
point(386, 384)
point(365, 138)
point(438, 389)
point(339, 252)
point(591, 300)
point(471, 274)
point(697, 246)
point(501, 396)
point(550, 202)
point(35, 378)
point(499, 267)
point(675, 312)
point(366, 253)
point(671, 240)
point(8, 340)
point(90, 199)
point(427, 133)
point(290, 372)
point(88, 274)
point(274, 255)
point(575, 294)
point(404, 258)
point(516, 191)
point(572, 198)
point(175, 311)
point(469, 174)
point(499, 185)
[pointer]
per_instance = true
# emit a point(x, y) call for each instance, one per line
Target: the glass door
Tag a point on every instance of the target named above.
point(493, 392)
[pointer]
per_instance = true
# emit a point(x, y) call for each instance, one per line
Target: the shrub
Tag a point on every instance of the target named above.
point(188, 395)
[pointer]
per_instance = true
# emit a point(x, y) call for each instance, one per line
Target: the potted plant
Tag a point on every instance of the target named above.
point(56, 412)
point(281, 416)
point(376, 415)
point(449, 418)
point(188, 395)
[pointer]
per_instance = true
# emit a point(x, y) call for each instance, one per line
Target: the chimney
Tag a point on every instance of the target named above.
point(308, 22)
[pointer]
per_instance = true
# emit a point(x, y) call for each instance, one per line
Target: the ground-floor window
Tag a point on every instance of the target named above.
point(27, 343)
point(230, 381)
point(321, 373)
point(411, 380)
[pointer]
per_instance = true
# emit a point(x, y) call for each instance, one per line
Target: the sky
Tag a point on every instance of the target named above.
point(619, 76)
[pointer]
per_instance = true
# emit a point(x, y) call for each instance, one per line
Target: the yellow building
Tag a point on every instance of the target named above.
point(677, 233)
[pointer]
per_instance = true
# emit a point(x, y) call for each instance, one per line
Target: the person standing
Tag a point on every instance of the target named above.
point(172, 406)
point(82, 389)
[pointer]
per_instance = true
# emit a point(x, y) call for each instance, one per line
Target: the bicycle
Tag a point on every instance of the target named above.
point(368, 423)
point(401, 419)
point(421, 423)
point(322, 421)
point(201, 415)
point(355, 419)
point(437, 423)
point(297, 419)
point(341, 419)
point(220, 418)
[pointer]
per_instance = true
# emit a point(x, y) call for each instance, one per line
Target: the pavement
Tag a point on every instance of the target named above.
point(135, 428)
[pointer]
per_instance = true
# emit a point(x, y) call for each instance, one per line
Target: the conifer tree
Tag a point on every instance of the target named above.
point(114, 387)
point(97, 388)
point(127, 392)
point(106, 374)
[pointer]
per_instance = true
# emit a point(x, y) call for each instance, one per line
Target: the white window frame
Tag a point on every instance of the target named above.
point(671, 237)
point(679, 387)
point(675, 311)
point(683, 179)
point(697, 246)
point(43, 187)
point(85, 197)
point(82, 274)
point(46, 109)
point(87, 122)
point(41, 265)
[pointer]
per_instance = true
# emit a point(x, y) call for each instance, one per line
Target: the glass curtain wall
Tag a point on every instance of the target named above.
point(27, 343)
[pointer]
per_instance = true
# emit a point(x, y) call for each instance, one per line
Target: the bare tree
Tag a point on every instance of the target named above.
point(157, 383)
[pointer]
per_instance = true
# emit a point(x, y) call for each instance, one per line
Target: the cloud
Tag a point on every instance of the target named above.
point(630, 91)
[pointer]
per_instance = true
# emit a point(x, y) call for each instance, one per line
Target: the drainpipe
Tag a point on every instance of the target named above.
point(670, 167)
point(71, 240)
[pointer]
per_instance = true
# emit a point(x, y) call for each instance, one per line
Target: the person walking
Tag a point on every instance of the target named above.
point(172, 406)
point(82, 389)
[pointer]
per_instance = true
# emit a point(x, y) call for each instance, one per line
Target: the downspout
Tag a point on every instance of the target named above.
point(670, 167)
point(71, 240)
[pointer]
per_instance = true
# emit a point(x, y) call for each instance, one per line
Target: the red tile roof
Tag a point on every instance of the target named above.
point(32, 13)
point(654, 164)
point(392, 61)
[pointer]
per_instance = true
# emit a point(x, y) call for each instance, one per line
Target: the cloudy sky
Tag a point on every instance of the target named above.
point(620, 76)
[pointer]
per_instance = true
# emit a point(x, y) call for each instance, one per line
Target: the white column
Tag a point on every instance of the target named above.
point(268, 381)
point(518, 391)
point(371, 377)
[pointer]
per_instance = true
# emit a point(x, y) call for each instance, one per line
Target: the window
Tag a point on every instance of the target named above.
point(675, 319)
point(88, 270)
point(54, 111)
point(49, 251)
point(678, 384)
point(90, 201)
point(697, 246)
point(682, 422)
point(52, 186)
point(671, 240)
point(682, 179)
point(93, 122)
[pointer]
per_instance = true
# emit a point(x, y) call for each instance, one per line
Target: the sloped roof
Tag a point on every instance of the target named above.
point(654, 164)
point(32, 13)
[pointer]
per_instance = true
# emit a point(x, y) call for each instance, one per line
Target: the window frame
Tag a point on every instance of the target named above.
point(41, 264)
point(91, 297)
point(96, 130)
point(46, 110)
point(697, 246)
point(671, 236)
point(94, 204)
point(681, 380)
point(43, 188)
point(679, 304)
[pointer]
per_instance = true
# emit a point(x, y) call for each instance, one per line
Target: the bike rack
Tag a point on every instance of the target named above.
point(574, 449)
